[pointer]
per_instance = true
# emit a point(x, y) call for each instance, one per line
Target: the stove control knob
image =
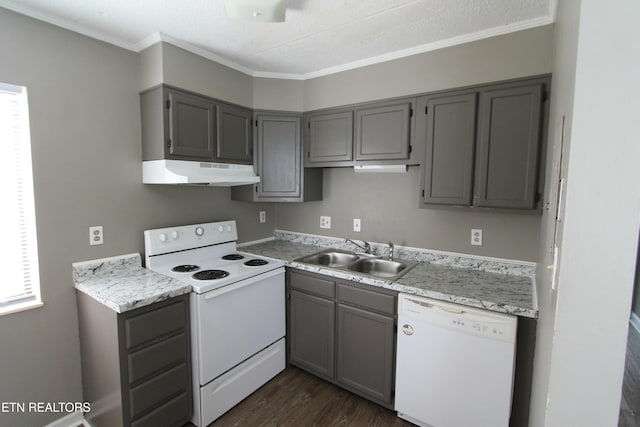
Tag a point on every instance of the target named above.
point(220, 229)
point(229, 228)
point(174, 235)
point(162, 237)
point(199, 231)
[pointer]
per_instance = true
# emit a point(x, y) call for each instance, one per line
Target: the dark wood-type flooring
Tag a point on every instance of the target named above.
point(630, 404)
point(298, 399)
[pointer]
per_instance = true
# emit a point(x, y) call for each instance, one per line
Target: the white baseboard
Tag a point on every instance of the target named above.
point(635, 322)
point(74, 419)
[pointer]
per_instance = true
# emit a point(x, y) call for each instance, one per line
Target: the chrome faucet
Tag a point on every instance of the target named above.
point(391, 251)
point(366, 247)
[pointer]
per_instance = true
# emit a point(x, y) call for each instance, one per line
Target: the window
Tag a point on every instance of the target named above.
point(20, 287)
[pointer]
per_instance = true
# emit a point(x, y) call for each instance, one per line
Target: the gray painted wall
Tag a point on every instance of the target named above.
point(192, 72)
point(278, 94)
point(85, 130)
point(583, 324)
point(150, 67)
point(388, 204)
point(520, 54)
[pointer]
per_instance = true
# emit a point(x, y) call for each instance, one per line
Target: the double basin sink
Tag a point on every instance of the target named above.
point(363, 264)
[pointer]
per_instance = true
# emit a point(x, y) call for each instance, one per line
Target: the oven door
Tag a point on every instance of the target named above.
point(234, 322)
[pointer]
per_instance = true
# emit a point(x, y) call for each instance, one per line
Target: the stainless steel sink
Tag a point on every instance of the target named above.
point(363, 264)
point(380, 267)
point(330, 258)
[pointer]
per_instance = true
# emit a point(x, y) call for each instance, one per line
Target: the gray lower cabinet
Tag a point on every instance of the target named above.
point(312, 333)
point(483, 145)
point(343, 332)
point(136, 366)
point(279, 163)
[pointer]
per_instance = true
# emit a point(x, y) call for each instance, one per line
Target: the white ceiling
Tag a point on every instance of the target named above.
point(319, 36)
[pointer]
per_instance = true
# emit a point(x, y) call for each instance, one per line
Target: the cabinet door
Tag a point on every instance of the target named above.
point(508, 144)
point(330, 137)
point(234, 142)
point(447, 170)
point(192, 127)
point(365, 361)
point(311, 327)
point(279, 157)
point(382, 132)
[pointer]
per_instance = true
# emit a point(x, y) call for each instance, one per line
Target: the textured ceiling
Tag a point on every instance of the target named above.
point(318, 37)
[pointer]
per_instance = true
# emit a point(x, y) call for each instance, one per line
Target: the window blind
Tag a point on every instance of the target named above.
point(21, 285)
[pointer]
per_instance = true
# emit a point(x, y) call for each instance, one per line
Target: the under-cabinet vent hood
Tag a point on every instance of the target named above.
point(197, 173)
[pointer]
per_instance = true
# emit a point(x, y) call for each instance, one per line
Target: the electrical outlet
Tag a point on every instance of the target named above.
point(263, 217)
point(476, 236)
point(325, 222)
point(96, 235)
point(356, 224)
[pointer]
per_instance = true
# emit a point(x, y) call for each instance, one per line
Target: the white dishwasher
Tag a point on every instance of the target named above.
point(455, 364)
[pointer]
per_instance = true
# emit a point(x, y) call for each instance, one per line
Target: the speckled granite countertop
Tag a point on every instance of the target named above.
point(122, 284)
point(501, 286)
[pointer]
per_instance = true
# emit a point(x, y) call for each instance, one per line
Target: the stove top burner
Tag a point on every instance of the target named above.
point(256, 262)
point(210, 274)
point(233, 257)
point(185, 268)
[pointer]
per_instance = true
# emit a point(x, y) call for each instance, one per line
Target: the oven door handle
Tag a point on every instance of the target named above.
point(243, 283)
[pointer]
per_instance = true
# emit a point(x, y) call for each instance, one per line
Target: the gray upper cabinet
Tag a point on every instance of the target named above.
point(279, 163)
point(191, 126)
point(279, 156)
point(383, 131)
point(234, 141)
point(450, 141)
point(329, 137)
point(177, 125)
point(508, 145)
point(483, 145)
point(373, 132)
point(181, 125)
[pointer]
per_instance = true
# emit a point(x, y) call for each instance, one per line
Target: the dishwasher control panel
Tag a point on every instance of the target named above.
point(455, 317)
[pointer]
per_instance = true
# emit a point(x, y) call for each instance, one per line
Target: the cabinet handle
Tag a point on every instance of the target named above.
point(168, 143)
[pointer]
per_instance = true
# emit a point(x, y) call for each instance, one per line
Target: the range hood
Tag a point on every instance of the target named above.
point(188, 172)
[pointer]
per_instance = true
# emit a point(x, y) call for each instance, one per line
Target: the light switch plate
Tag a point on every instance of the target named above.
point(357, 224)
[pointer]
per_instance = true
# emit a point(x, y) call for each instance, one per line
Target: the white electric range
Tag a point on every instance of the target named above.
point(237, 311)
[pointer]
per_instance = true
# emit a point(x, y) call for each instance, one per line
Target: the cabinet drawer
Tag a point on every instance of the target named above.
point(313, 285)
point(158, 389)
point(175, 412)
point(157, 356)
point(152, 324)
point(369, 299)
